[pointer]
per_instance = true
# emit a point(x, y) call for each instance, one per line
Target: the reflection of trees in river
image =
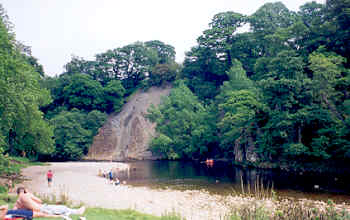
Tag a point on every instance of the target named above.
point(223, 176)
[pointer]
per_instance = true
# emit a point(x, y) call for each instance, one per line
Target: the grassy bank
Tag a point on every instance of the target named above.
point(10, 171)
point(256, 208)
point(108, 214)
point(100, 213)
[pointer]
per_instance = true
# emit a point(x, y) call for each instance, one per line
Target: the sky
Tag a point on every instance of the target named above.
point(58, 29)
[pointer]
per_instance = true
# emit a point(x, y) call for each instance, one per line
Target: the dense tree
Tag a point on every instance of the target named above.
point(204, 72)
point(338, 22)
point(166, 53)
point(279, 92)
point(220, 36)
point(83, 93)
point(206, 64)
point(184, 125)
point(23, 131)
point(113, 95)
point(326, 68)
point(79, 65)
point(162, 73)
point(74, 131)
point(239, 106)
point(131, 63)
point(296, 107)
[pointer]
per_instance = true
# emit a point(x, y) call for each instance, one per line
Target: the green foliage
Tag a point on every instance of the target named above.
point(282, 89)
point(94, 120)
point(238, 80)
point(74, 131)
point(83, 93)
point(239, 113)
point(22, 127)
point(162, 73)
point(184, 125)
point(70, 137)
point(166, 53)
point(113, 96)
point(205, 66)
point(160, 145)
point(220, 36)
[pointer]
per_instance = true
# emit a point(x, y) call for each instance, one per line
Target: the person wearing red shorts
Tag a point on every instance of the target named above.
point(49, 177)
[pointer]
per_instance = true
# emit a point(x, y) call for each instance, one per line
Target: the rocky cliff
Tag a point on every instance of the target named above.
point(126, 135)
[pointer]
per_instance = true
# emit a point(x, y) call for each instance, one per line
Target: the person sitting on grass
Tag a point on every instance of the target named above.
point(27, 200)
point(5, 214)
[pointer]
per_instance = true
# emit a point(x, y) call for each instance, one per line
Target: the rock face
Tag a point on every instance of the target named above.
point(245, 152)
point(126, 135)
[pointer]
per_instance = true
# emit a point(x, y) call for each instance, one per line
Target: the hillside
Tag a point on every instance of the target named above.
point(126, 135)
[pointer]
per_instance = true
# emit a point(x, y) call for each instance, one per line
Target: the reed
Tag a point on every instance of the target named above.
point(288, 210)
point(62, 197)
point(257, 189)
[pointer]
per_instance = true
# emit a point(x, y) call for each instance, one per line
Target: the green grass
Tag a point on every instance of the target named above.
point(100, 213)
point(23, 161)
point(17, 163)
point(10, 172)
point(108, 214)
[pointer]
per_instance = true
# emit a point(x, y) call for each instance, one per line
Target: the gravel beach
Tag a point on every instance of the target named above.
point(80, 181)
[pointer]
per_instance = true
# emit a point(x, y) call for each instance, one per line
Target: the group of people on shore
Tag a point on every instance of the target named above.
point(28, 206)
point(110, 175)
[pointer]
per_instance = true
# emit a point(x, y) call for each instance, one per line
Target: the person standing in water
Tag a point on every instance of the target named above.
point(49, 177)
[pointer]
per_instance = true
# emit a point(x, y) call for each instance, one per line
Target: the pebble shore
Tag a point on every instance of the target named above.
point(81, 183)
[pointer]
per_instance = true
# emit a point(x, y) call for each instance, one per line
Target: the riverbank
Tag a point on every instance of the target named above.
point(80, 182)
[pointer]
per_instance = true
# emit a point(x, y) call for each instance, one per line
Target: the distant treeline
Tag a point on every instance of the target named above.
point(277, 94)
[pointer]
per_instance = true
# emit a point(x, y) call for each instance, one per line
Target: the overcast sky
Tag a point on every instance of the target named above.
point(58, 29)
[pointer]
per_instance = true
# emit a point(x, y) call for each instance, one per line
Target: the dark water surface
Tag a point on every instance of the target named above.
point(226, 179)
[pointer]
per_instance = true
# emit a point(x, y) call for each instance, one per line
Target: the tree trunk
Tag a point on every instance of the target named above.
point(331, 107)
point(238, 150)
point(251, 154)
point(299, 134)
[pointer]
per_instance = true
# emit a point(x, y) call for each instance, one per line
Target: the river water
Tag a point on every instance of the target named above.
point(225, 179)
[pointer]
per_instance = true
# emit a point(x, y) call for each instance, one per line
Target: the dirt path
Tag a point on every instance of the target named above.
point(81, 183)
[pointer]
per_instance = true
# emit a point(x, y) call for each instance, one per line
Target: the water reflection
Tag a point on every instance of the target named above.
point(223, 179)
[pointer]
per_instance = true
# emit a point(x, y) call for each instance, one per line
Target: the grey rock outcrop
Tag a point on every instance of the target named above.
point(245, 152)
point(126, 135)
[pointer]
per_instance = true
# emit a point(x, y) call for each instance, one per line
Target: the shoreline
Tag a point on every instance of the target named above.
point(81, 183)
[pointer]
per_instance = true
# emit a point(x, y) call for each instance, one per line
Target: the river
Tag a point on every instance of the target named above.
point(224, 179)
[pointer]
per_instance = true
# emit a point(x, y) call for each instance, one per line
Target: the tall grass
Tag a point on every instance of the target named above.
point(288, 210)
point(281, 209)
point(62, 198)
point(258, 189)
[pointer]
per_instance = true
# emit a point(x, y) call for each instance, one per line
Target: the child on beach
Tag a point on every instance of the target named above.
point(49, 177)
point(110, 176)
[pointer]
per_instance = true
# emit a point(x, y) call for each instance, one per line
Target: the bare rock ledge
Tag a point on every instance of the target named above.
point(126, 135)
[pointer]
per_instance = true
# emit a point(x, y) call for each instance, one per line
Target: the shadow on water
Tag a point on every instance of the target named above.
point(225, 179)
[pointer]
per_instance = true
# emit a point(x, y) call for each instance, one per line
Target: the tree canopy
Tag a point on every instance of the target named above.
point(281, 89)
point(272, 87)
point(23, 129)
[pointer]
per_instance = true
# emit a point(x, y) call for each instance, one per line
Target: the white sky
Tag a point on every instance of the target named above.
point(58, 29)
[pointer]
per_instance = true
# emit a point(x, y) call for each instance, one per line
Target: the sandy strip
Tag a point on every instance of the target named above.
point(80, 182)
